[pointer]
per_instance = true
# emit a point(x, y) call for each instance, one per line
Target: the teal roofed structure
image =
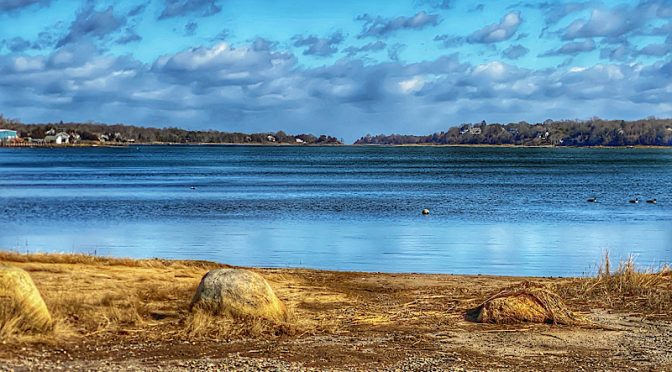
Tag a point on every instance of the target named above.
point(7, 134)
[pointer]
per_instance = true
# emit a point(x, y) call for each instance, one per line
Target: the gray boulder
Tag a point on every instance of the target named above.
point(238, 293)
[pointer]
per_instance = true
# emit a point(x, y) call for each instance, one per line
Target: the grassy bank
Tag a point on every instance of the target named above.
point(338, 318)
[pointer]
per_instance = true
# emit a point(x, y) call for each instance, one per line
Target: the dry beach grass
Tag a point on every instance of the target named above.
point(134, 314)
point(648, 291)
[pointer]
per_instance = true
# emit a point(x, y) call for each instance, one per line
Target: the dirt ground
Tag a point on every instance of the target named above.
point(132, 315)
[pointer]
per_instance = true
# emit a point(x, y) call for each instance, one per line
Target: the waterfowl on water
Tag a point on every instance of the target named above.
point(425, 211)
point(592, 200)
point(634, 201)
point(193, 187)
point(651, 201)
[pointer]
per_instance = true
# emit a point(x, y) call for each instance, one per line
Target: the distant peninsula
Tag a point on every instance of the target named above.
point(593, 132)
point(50, 134)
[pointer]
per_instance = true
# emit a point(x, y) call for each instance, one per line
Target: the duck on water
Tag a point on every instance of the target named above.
point(632, 201)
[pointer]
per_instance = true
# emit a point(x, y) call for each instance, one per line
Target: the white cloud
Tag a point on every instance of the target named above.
point(411, 85)
point(497, 32)
point(241, 88)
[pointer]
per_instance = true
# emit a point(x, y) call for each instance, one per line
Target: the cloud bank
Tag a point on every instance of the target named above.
point(416, 72)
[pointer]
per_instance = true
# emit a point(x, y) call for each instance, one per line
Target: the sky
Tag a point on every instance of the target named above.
point(344, 68)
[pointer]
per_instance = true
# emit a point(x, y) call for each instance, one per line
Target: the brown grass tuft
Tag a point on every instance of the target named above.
point(627, 288)
point(203, 324)
point(524, 302)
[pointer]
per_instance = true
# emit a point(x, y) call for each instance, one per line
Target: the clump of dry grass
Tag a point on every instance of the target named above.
point(113, 310)
point(627, 287)
point(627, 280)
point(92, 314)
point(524, 302)
point(91, 295)
point(202, 324)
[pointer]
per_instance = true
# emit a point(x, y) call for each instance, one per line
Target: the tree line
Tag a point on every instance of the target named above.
point(593, 132)
point(120, 133)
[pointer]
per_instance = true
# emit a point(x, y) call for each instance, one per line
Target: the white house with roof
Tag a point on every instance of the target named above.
point(61, 138)
point(8, 135)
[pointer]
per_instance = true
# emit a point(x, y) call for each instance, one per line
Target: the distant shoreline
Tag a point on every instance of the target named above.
point(513, 146)
point(115, 145)
point(647, 133)
point(121, 145)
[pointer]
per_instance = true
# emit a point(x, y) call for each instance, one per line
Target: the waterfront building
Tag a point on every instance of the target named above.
point(59, 138)
point(7, 135)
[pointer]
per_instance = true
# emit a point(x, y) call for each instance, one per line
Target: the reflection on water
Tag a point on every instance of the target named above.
point(423, 246)
point(494, 211)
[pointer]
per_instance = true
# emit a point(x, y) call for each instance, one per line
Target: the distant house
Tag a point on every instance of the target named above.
point(299, 140)
point(475, 130)
point(59, 138)
point(8, 135)
point(270, 138)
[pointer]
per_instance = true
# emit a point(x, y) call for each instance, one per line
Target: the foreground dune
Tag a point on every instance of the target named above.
point(114, 314)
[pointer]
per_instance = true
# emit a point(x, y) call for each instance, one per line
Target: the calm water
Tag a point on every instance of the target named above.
point(493, 210)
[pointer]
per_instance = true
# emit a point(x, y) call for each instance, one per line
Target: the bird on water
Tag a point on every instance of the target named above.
point(652, 201)
point(634, 201)
point(592, 200)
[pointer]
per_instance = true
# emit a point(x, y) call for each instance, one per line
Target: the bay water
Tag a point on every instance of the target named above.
point(493, 210)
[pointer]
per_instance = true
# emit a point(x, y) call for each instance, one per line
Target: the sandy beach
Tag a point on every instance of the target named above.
point(121, 314)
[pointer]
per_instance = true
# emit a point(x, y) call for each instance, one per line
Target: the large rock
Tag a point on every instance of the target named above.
point(236, 292)
point(21, 306)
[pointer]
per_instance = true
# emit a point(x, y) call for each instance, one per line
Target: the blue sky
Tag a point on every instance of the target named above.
point(345, 68)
